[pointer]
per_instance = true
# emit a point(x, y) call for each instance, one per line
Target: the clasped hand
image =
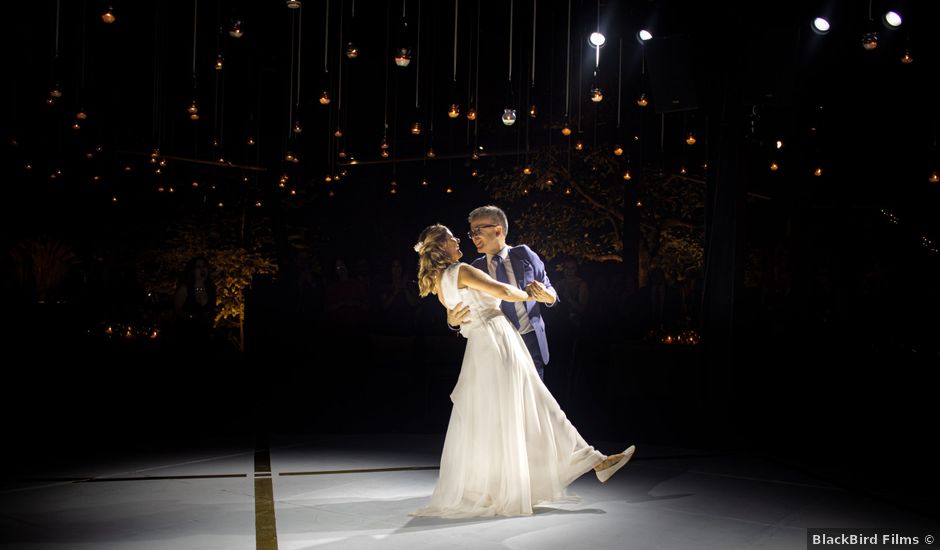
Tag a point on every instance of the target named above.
point(538, 292)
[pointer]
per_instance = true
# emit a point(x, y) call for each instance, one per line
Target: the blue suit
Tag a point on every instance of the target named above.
point(528, 267)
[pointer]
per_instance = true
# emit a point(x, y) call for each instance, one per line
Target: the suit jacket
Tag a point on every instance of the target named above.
point(527, 267)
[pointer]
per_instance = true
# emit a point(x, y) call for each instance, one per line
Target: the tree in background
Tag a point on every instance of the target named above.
point(569, 203)
point(237, 251)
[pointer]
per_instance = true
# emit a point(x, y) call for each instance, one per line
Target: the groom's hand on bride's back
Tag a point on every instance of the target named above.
point(460, 315)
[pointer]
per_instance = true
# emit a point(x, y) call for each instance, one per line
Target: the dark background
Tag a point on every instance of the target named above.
point(826, 360)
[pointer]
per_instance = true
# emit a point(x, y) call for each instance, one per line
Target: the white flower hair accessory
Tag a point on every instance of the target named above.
point(419, 246)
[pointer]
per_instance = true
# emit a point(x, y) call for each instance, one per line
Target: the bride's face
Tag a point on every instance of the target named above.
point(452, 247)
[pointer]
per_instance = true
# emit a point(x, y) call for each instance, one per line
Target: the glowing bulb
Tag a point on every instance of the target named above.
point(597, 39)
point(565, 130)
point(597, 95)
point(471, 114)
point(403, 57)
point(236, 30)
point(642, 101)
point(324, 97)
point(108, 15)
point(509, 117)
point(453, 111)
point(690, 139)
point(416, 129)
point(618, 150)
point(352, 52)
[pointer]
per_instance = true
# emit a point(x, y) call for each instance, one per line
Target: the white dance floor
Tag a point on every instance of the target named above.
point(355, 492)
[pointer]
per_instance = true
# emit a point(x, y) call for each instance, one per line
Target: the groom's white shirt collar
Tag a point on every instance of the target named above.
point(503, 253)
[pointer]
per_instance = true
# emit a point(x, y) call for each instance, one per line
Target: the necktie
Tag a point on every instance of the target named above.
point(509, 308)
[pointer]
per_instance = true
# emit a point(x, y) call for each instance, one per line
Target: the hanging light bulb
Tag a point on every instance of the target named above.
point(384, 144)
point(578, 146)
point(690, 139)
point(527, 171)
point(906, 58)
point(298, 128)
point(870, 40)
point(642, 101)
point(509, 117)
point(403, 57)
point(533, 111)
point(76, 126)
point(566, 130)
point(342, 153)
point(934, 177)
point(218, 62)
point(81, 115)
point(108, 15)
point(289, 157)
point(618, 150)
point(384, 153)
point(453, 111)
point(352, 51)
point(325, 97)
point(597, 95)
point(293, 4)
point(193, 111)
point(627, 176)
point(251, 140)
point(338, 132)
point(55, 92)
point(236, 30)
point(431, 153)
point(471, 114)
point(774, 166)
point(416, 129)
point(817, 172)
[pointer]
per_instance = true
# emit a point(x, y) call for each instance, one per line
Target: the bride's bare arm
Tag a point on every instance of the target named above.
point(476, 279)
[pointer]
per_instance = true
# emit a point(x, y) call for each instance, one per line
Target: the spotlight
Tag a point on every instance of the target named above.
point(821, 25)
point(643, 36)
point(597, 39)
point(892, 19)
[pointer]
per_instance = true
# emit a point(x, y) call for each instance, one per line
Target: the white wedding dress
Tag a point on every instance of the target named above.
point(509, 446)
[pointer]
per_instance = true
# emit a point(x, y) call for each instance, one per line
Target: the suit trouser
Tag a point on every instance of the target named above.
point(532, 343)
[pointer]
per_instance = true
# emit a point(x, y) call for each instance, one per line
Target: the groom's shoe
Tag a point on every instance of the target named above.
point(606, 473)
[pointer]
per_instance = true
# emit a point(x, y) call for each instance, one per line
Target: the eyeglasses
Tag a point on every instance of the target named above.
point(475, 232)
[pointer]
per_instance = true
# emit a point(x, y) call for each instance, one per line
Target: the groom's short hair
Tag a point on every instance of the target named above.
point(493, 212)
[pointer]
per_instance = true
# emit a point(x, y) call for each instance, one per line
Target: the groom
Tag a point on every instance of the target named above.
point(514, 265)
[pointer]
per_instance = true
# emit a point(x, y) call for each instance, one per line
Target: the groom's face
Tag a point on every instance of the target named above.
point(486, 235)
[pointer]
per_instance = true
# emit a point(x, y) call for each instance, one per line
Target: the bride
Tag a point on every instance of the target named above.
point(509, 446)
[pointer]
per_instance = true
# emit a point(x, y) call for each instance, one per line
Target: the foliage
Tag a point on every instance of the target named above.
point(233, 260)
point(566, 206)
point(42, 265)
point(574, 206)
point(671, 230)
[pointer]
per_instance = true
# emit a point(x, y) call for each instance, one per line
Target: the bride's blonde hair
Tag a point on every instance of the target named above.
point(432, 258)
